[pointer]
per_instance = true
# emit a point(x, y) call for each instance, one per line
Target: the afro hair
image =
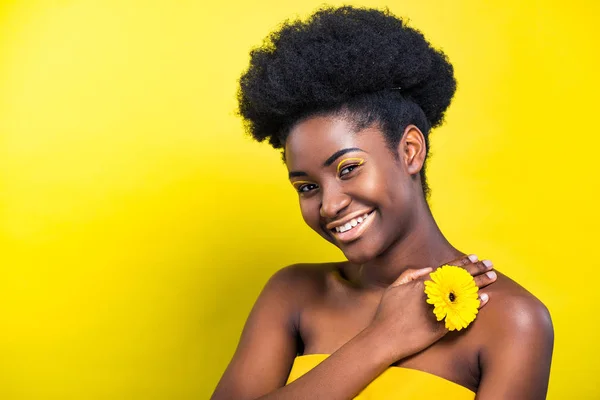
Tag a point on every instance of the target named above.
point(363, 63)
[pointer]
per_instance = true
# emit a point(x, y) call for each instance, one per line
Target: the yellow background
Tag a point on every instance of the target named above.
point(138, 222)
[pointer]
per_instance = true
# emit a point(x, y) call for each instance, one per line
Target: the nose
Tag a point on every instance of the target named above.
point(333, 202)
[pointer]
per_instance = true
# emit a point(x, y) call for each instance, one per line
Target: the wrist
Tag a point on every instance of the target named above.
point(379, 344)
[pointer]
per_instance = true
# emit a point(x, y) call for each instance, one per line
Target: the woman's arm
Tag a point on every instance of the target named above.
point(267, 346)
point(516, 361)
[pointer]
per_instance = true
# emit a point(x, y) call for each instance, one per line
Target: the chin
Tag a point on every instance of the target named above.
point(358, 254)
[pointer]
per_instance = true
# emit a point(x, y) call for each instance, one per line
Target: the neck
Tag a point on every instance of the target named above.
point(423, 246)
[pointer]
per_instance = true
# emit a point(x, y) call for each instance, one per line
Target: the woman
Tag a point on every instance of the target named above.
point(351, 95)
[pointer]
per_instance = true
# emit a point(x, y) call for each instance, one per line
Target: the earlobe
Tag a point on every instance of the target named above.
point(413, 149)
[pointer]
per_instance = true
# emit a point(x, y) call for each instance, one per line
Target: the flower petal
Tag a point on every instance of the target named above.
point(460, 312)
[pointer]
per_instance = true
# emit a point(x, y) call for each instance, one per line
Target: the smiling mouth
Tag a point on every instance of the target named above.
point(353, 223)
point(352, 229)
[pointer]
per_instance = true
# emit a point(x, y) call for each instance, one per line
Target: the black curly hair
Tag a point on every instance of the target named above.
point(366, 64)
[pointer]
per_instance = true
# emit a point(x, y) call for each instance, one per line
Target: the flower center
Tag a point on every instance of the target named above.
point(452, 297)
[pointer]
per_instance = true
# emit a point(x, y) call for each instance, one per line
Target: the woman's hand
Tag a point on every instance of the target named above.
point(406, 322)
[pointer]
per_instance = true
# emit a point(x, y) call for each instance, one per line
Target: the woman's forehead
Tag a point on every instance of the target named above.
point(316, 139)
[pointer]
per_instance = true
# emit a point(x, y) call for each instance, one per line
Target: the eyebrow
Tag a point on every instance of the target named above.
point(338, 154)
point(328, 162)
point(294, 174)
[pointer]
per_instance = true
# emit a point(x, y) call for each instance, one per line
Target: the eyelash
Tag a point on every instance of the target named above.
point(351, 162)
point(345, 167)
point(300, 188)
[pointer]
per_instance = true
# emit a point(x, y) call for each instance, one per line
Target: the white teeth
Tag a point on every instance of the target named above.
point(351, 224)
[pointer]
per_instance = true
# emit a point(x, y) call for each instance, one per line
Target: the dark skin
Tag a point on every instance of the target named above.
point(370, 312)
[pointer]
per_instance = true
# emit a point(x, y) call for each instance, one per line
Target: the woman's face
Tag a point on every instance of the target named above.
point(353, 190)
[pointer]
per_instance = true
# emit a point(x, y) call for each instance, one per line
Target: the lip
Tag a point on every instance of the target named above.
point(354, 233)
point(335, 224)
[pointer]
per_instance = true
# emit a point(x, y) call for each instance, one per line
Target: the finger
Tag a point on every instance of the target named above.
point(410, 275)
point(464, 261)
point(483, 299)
point(485, 279)
point(479, 267)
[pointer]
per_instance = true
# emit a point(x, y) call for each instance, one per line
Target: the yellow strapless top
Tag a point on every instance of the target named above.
point(395, 383)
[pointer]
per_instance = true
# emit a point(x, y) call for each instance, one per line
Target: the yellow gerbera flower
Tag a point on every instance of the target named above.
point(454, 294)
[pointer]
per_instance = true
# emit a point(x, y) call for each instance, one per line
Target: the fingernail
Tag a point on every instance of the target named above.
point(491, 274)
point(484, 297)
point(473, 258)
point(487, 263)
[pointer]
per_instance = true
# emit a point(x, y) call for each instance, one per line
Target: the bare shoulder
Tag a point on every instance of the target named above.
point(514, 341)
point(513, 307)
point(269, 341)
point(302, 281)
point(513, 315)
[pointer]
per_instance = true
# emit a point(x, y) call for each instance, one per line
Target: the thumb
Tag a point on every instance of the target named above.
point(410, 275)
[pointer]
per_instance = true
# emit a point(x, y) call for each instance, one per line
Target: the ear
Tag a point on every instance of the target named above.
point(412, 149)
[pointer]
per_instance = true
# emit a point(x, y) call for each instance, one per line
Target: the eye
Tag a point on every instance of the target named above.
point(347, 169)
point(306, 188)
point(348, 165)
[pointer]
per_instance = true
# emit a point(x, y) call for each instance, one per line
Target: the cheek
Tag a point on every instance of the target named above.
point(374, 188)
point(310, 212)
point(387, 189)
point(371, 187)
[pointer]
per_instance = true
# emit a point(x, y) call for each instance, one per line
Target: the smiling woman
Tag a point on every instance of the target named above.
point(350, 96)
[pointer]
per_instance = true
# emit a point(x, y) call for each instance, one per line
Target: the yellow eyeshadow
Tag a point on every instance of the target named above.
point(360, 162)
point(299, 183)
